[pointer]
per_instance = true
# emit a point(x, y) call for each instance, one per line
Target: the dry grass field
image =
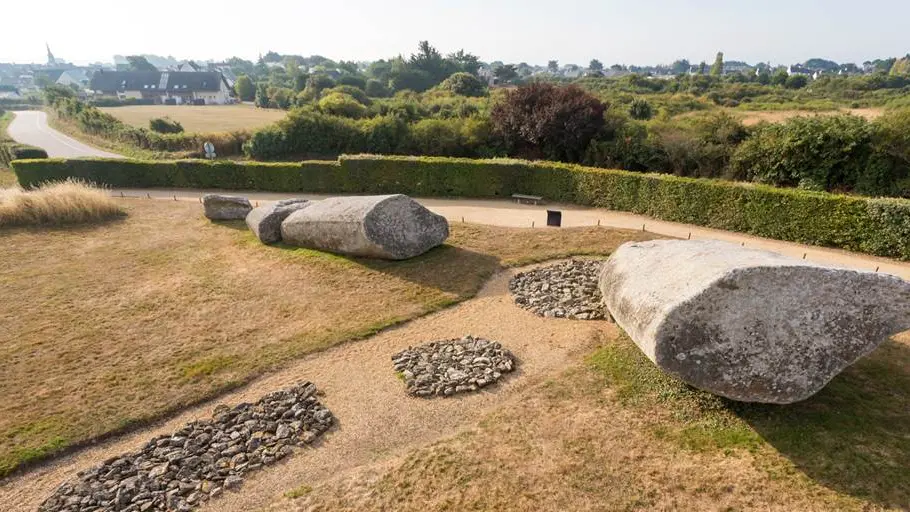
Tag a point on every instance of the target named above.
point(615, 433)
point(751, 118)
point(103, 327)
point(53, 204)
point(199, 119)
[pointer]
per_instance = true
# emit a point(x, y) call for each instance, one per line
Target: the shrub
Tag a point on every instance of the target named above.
point(341, 104)
point(10, 151)
point(876, 226)
point(306, 133)
point(463, 84)
point(796, 82)
point(543, 119)
point(352, 91)
point(641, 110)
point(165, 125)
point(244, 88)
point(817, 153)
point(376, 89)
point(358, 82)
point(67, 202)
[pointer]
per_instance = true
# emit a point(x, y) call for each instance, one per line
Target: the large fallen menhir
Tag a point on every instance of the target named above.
point(393, 227)
point(749, 325)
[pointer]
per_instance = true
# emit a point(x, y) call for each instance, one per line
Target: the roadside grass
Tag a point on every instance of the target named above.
point(110, 326)
point(55, 204)
point(7, 177)
point(615, 433)
point(120, 148)
point(199, 119)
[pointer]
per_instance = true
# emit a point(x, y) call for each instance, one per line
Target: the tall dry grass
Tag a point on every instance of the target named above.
point(65, 202)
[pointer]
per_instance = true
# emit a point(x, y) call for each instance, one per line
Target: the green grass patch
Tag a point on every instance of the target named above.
point(299, 492)
point(208, 367)
point(853, 436)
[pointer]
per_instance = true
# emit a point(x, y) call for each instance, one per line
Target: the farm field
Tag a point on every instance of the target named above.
point(751, 118)
point(163, 309)
point(199, 119)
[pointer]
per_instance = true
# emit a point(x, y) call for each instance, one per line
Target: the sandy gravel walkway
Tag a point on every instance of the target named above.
point(377, 420)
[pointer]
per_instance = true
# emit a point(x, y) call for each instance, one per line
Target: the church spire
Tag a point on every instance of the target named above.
point(51, 61)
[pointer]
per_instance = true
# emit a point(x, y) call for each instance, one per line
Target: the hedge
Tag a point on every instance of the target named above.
point(875, 226)
point(10, 151)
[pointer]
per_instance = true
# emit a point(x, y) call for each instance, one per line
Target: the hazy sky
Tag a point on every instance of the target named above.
point(534, 31)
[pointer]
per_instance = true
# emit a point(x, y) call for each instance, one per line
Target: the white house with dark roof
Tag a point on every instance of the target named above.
point(177, 87)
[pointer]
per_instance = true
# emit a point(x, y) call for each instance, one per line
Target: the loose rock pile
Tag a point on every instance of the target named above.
point(201, 460)
point(563, 290)
point(443, 368)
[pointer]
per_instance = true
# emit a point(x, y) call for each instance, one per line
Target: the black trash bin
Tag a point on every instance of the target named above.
point(554, 218)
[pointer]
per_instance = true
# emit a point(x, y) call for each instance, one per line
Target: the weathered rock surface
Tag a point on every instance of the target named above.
point(221, 207)
point(389, 227)
point(443, 368)
point(564, 290)
point(198, 462)
point(749, 325)
point(265, 221)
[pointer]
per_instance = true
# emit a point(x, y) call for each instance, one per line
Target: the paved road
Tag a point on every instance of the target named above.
point(30, 127)
point(509, 214)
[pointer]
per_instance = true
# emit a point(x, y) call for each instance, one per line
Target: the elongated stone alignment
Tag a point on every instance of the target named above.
point(265, 221)
point(221, 207)
point(392, 227)
point(749, 325)
point(443, 368)
point(201, 460)
point(562, 290)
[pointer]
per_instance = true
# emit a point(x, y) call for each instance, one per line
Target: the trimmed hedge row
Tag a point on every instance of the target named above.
point(10, 151)
point(875, 226)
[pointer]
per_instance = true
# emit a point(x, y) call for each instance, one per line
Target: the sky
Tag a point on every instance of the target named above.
point(638, 32)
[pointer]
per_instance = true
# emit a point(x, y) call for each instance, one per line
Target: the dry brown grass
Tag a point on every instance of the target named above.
point(616, 434)
point(7, 178)
point(109, 325)
point(54, 204)
point(751, 118)
point(200, 119)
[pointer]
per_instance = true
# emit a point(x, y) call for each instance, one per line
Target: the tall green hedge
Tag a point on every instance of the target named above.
point(10, 151)
point(875, 226)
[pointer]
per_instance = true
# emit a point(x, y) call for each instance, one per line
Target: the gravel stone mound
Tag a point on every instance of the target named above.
point(201, 460)
point(443, 368)
point(563, 290)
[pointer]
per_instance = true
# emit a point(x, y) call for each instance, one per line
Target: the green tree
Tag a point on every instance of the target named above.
point(553, 66)
point(506, 73)
point(596, 65)
point(901, 67)
point(464, 62)
point(718, 68)
point(140, 63)
point(680, 66)
point(764, 77)
point(262, 95)
point(780, 78)
point(244, 88)
point(464, 84)
point(702, 68)
point(796, 82)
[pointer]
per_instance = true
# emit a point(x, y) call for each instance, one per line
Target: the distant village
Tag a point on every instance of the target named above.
point(165, 80)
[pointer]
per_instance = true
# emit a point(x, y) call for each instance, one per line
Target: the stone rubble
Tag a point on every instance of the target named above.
point(563, 290)
point(200, 461)
point(444, 368)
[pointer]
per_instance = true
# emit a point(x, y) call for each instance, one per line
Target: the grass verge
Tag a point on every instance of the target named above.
point(121, 323)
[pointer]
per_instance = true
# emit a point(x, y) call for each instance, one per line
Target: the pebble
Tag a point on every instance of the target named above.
point(563, 290)
point(183, 470)
point(444, 368)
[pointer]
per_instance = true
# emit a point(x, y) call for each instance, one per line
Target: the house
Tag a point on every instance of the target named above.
point(77, 77)
point(169, 87)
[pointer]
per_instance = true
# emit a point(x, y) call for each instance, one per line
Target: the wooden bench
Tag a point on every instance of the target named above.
point(529, 199)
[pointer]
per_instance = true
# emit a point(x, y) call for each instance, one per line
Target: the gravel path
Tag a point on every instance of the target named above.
point(375, 419)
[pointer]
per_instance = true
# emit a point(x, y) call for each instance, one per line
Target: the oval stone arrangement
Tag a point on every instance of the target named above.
point(563, 290)
point(443, 368)
point(201, 460)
